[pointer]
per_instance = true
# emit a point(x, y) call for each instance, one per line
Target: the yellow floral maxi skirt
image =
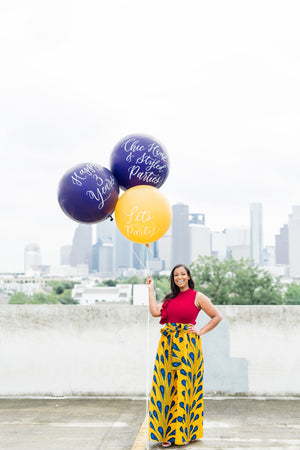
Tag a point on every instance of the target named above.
point(176, 399)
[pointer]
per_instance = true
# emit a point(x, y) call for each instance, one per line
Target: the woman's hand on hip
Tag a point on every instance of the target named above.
point(192, 329)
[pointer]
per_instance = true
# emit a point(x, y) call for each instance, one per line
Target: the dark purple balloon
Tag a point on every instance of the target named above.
point(139, 159)
point(88, 193)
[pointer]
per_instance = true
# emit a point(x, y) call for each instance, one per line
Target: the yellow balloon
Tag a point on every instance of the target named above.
point(143, 215)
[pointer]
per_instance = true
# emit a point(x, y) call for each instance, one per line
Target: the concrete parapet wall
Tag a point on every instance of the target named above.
point(60, 350)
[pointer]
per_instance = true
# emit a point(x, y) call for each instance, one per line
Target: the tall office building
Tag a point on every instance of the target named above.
point(294, 242)
point(197, 218)
point(32, 257)
point(105, 230)
point(95, 256)
point(106, 268)
point(103, 250)
point(81, 252)
point(219, 244)
point(256, 232)
point(123, 252)
point(65, 253)
point(231, 242)
point(139, 256)
point(199, 237)
point(180, 249)
point(238, 242)
point(164, 245)
point(282, 246)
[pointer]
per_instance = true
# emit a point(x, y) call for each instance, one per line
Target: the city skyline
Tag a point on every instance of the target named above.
point(224, 102)
point(91, 238)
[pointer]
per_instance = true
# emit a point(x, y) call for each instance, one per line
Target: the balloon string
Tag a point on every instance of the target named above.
point(146, 266)
point(140, 261)
point(148, 249)
point(147, 270)
point(147, 358)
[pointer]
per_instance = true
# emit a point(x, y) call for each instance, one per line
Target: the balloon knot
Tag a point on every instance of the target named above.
point(147, 245)
point(111, 218)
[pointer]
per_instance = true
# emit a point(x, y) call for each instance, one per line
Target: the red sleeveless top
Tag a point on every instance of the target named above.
point(180, 309)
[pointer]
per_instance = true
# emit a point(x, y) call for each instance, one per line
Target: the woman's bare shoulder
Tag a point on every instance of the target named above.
point(200, 299)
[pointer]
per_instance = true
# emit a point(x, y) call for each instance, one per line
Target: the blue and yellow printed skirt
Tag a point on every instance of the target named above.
point(176, 399)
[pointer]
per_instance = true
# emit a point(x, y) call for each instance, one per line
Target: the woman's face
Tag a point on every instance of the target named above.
point(181, 278)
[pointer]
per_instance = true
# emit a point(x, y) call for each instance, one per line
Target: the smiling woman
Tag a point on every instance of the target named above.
point(176, 400)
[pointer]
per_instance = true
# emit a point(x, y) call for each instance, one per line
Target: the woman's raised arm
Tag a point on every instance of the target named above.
point(155, 309)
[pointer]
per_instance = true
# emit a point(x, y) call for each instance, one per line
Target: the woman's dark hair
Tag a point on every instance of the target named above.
point(175, 289)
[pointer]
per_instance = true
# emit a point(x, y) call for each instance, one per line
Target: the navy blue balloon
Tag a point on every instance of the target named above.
point(88, 193)
point(139, 160)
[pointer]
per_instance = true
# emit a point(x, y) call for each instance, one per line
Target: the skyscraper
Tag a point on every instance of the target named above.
point(256, 232)
point(238, 242)
point(103, 250)
point(282, 246)
point(199, 237)
point(95, 256)
point(123, 253)
point(219, 244)
point(294, 242)
point(105, 230)
point(197, 218)
point(32, 258)
point(106, 259)
point(232, 242)
point(180, 249)
point(164, 245)
point(139, 256)
point(81, 252)
point(65, 253)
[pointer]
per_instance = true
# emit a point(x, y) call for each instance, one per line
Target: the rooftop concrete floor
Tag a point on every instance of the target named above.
point(115, 424)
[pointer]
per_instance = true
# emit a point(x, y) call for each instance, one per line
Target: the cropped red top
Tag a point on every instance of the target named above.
point(180, 309)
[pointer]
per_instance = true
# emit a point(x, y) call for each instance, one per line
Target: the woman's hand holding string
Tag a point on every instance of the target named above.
point(155, 309)
point(149, 282)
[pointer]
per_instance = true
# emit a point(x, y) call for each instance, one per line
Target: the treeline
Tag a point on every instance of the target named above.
point(228, 282)
point(59, 293)
point(225, 282)
point(241, 282)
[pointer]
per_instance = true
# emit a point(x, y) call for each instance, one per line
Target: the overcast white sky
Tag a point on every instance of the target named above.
point(216, 82)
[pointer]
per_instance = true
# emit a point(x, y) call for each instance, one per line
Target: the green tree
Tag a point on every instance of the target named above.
point(51, 298)
point(69, 284)
point(132, 280)
point(292, 294)
point(59, 290)
point(109, 283)
point(66, 298)
point(235, 282)
point(19, 298)
point(59, 286)
point(40, 298)
point(211, 276)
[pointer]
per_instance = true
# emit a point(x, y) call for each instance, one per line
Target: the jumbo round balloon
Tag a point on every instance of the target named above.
point(88, 193)
point(143, 215)
point(139, 160)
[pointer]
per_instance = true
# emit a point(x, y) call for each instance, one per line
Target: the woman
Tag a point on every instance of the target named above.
point(176, 400)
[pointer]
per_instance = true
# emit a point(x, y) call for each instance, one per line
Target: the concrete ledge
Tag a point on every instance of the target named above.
point(67, 351)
